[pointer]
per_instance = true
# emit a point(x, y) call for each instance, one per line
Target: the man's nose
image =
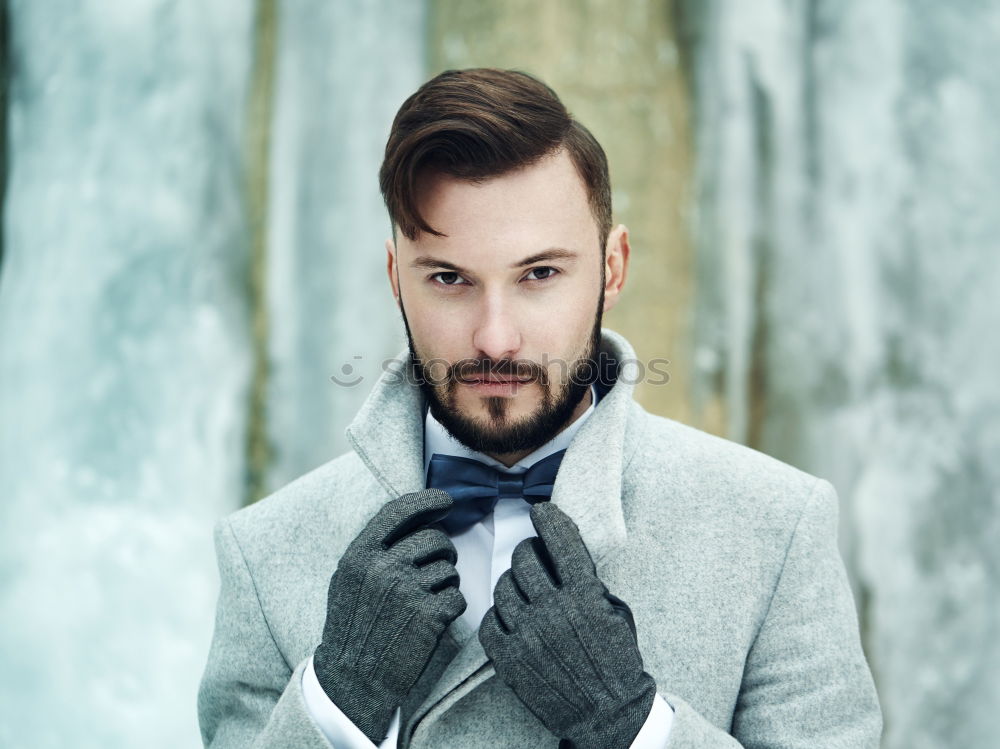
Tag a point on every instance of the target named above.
point(497, 334)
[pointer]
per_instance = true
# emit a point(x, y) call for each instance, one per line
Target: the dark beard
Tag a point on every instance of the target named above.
point(501, 435)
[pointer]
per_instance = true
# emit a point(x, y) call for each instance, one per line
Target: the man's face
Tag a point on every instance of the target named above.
point(503, 313)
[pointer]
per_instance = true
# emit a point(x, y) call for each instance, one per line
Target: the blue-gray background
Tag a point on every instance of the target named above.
point(192, 246)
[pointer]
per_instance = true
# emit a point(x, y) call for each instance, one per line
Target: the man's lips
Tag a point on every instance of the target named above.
point(494, 378)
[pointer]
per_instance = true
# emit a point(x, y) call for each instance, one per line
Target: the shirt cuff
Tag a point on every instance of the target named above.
point(656, 729)
point(337, 727)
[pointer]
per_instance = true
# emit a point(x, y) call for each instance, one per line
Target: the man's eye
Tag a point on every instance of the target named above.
point(448, 278)
point(541, 273)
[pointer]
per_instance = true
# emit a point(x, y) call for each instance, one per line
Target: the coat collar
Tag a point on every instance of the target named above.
point(387, 434)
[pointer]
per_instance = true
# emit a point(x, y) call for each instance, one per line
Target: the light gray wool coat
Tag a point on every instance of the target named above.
point(728, 559)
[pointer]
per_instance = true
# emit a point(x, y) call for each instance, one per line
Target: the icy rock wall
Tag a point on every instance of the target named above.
point(343, 69)
point(848, 310)
point(123, 362)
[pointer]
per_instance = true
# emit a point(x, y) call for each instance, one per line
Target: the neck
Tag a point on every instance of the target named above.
point(509, 459)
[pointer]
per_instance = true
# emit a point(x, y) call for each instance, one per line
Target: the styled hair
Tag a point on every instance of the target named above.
point(479, 123)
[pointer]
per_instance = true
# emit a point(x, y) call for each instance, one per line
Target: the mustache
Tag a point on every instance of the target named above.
point(522, 369)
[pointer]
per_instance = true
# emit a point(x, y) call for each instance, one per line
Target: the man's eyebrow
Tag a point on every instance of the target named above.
point(553, 253)
point(428, 262)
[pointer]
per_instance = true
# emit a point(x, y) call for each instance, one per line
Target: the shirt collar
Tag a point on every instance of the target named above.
point(438, 441)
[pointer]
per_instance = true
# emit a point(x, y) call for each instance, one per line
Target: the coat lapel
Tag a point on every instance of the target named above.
point(589, 483)
point(387, 434)
point(388, 431)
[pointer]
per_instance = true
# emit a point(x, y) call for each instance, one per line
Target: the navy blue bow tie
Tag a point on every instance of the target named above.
point(476, 487)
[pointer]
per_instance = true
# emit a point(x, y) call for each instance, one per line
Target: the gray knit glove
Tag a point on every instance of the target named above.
point(394, 592)
point(563, 644)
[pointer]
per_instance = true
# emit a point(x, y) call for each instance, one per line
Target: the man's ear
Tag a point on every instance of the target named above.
point(616, 254)
point(390, 267)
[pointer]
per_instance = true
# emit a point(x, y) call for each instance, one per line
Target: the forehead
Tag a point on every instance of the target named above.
point(503, 218)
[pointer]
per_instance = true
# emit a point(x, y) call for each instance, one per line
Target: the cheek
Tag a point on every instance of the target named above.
point(564, 324)
point(562, 340)
point(438, 330)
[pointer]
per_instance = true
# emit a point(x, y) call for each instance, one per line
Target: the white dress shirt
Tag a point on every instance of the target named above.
point(484, 553)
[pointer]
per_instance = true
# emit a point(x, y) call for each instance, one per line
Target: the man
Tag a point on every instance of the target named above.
point(516, 554)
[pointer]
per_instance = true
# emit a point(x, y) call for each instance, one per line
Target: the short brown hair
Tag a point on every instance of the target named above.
point(479, 123)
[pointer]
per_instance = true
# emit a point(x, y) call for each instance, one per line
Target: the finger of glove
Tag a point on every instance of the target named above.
point(437, 576)
point(508, 601)
point(532, 569)
point(401, 516)
point(493, 634)
point(446, 606)
point(425, 547)
point(563, 542)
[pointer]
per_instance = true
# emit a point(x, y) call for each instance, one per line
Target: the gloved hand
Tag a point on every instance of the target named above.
point(393, 594)
point(560, 643)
